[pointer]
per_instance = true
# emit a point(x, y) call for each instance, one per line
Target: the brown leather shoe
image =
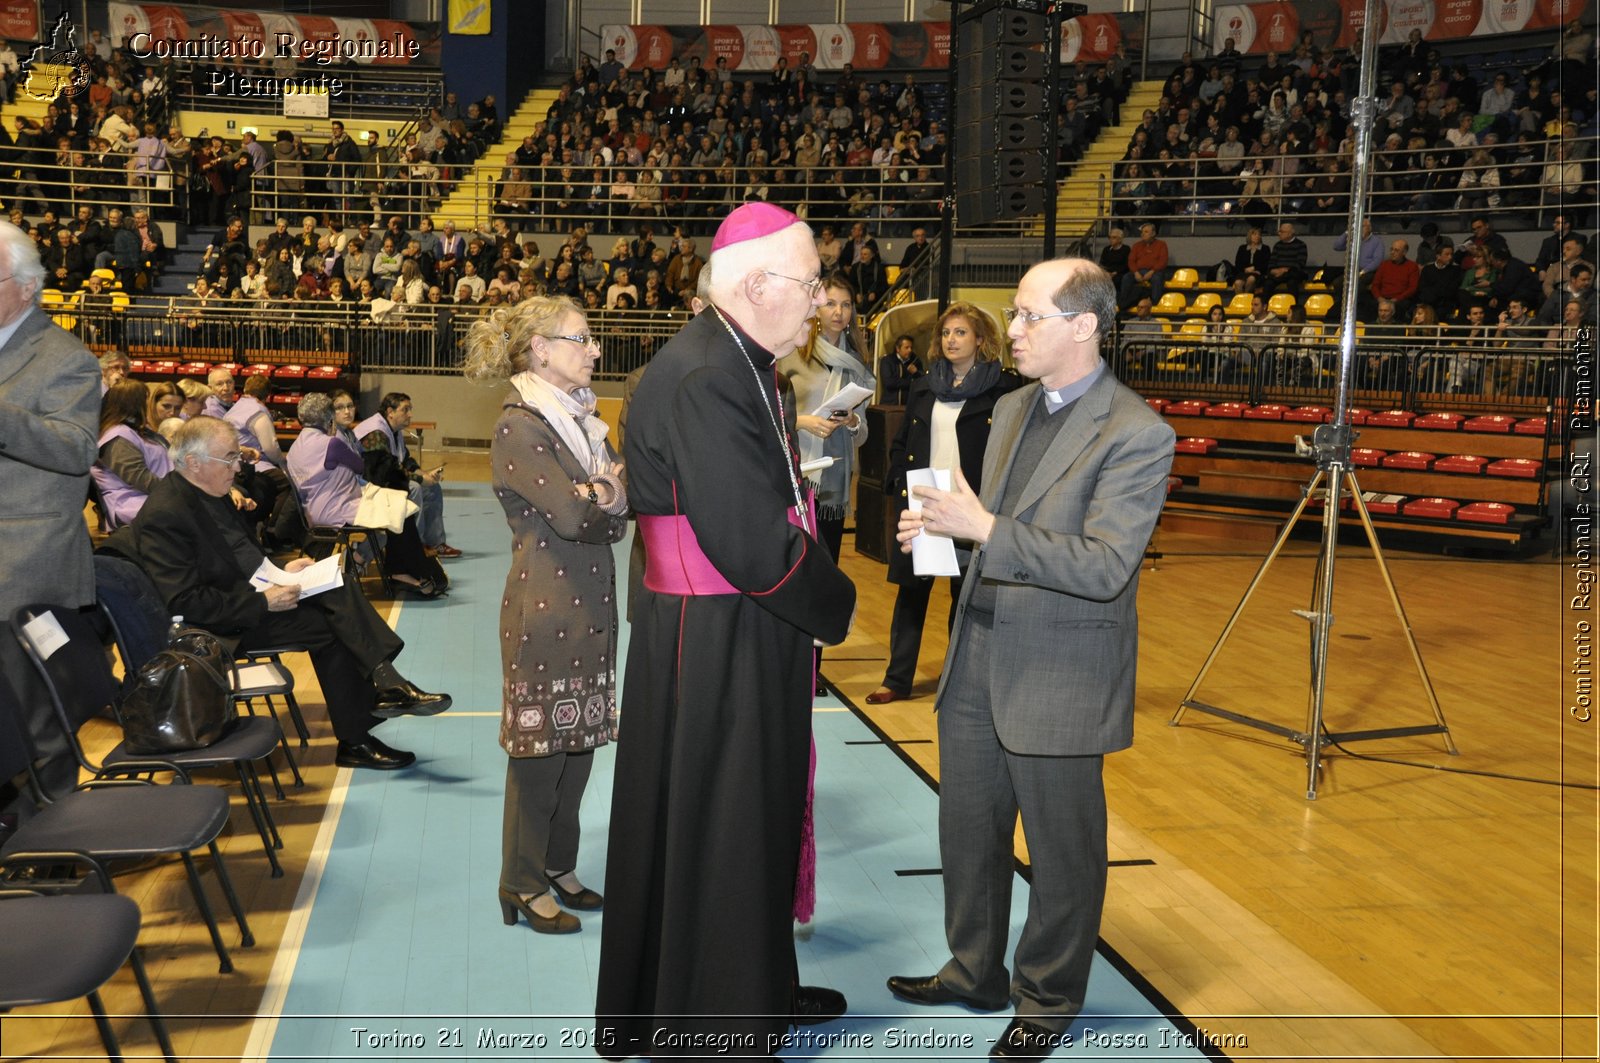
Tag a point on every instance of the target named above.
point(883, 695)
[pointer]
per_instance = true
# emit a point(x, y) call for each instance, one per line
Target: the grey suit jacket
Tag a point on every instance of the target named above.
point(1066, 570)
point(49, 421)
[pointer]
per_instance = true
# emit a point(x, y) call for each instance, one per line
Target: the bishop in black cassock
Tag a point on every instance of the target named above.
point(697, 957)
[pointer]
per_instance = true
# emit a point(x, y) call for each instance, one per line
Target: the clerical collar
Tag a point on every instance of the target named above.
point(1055, 400)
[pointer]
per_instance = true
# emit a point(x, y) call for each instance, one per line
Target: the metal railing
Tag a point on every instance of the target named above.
point(363, 92)
point(1447, 185)
point(1391, 372)
point(38, 178)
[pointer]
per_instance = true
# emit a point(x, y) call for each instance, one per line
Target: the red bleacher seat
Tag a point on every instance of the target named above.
point(1486, 512)
point(1159, 404)
point(1392, 418)
point(258, 369)
point(1186, 408)
point(1494, 422)
point(1523, 468)
point(1533, 426)
point(1438, 422)
point(1308, 414)
point(1227, 409)
point(1366, 457)
point(1409, 459)
point(232, 367)
point(1379, 505)
point(1466, 463)
point(199, 369)
point(286, 398)
point(330, 372)
point(1437, 508)
point(162, 368)
point(1358, 415)
point(1195, 445)
point(1267, 412)
point(136, 365)
point(289, 372)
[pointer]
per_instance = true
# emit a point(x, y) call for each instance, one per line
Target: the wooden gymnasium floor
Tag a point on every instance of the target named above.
point(1409, 912)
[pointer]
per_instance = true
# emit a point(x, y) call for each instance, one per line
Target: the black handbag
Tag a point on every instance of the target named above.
point(180, 698)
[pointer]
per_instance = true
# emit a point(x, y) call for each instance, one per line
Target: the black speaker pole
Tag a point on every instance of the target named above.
point(947, 207)
point(1052, 105)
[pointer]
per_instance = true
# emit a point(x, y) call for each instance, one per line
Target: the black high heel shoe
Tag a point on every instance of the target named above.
point(560, 923)
point(584, 900)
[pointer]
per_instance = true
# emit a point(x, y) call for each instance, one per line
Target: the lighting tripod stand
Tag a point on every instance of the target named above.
point(1331, 447)
point(1334, 476)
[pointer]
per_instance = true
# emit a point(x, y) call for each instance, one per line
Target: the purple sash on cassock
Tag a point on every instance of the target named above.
point(674, 561)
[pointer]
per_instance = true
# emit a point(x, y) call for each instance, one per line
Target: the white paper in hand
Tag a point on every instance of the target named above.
point(932, 554)
point(844, 400)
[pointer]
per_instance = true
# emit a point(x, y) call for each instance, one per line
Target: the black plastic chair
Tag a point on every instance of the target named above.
point(139, 622)
point(56, 947)
point(80, 681)
point(114, 817)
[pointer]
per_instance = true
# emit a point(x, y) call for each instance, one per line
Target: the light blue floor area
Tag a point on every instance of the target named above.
point(405, 955)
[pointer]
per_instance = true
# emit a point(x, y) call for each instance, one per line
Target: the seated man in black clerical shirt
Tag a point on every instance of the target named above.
point(191, 541)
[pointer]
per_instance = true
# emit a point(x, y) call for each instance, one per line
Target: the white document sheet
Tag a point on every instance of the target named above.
point(932, 554)
point(313, 579)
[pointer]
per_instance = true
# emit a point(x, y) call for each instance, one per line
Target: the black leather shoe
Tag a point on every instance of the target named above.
point(372, 754)
point(405, 698)
point(1026, 1040)
point(931, 990)
point(815, 1004)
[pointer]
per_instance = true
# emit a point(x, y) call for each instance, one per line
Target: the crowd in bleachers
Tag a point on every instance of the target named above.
point(1475, 295)
point(690, 142)
point(1272, 138)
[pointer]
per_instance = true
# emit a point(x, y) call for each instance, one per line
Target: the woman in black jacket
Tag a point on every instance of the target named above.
point(946, 424)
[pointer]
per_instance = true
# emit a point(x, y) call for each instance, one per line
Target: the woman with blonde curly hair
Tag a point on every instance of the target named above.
point(560, 485)
point(946, 426)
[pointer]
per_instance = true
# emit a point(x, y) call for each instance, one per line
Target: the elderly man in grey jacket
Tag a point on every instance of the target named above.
point(49, 420)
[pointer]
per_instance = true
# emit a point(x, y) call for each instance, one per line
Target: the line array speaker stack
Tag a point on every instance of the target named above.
point(1003, 126)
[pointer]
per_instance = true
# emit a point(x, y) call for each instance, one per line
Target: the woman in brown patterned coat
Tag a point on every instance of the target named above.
point(559, 483)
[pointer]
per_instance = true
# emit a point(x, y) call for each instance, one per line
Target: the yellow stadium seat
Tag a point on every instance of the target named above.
point(1281, 304)
point(1193, 329)
point(1318, 305)
point(1204, 302)
point(1183, 280)
point(1214, 286)
point(120, 302)
point(1171, 304)
point(1239, 305)
point(891, 274)
point(104, 274)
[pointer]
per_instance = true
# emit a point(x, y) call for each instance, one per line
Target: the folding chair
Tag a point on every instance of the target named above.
point(80, 680)
point(139, 623)
point(57, 947)
point(121, 819)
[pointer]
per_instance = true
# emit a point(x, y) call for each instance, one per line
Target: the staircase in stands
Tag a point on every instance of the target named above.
point(1084, 199)
point(468, 202)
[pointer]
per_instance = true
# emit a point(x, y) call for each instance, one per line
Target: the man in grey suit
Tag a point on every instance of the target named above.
point(1039, 682)
point(49, 422)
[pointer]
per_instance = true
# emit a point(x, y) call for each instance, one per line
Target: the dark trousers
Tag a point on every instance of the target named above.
point(347, 639)
point(982, 788)
point(54, 762)
point(539, 831)
point(905, 630)
point(830, 533)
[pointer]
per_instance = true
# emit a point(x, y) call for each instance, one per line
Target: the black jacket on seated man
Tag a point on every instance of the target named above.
point(199, 553)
